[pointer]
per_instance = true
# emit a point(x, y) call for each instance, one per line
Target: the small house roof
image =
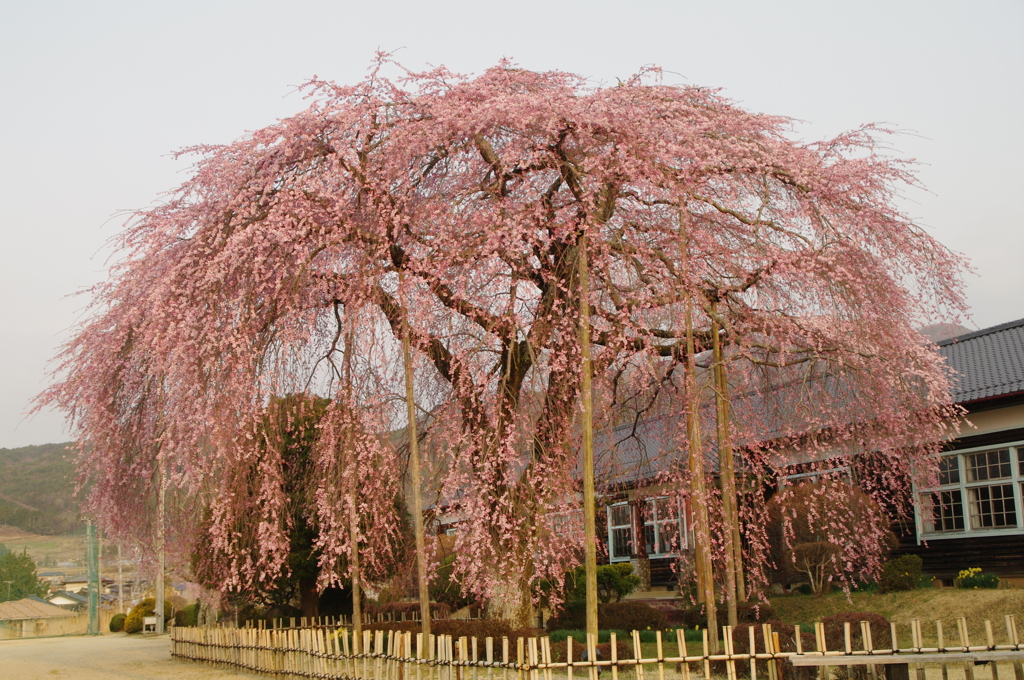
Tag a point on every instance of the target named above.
point(74, 597)
point(30, 609)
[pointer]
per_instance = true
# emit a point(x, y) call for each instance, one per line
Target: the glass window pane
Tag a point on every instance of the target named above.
point(666, 508)
point(987, 465)
point(622, 542)
point(649, 543)
point(992, 507)
point(619, 515)
point(949, 470)
point(948, 511)
point(668, 537)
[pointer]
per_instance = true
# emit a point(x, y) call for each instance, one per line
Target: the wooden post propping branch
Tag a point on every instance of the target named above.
point(353, 479)
point(586, 397)
point(726, 469)
point(414, 472)
point(701, 519)
point(159, 608)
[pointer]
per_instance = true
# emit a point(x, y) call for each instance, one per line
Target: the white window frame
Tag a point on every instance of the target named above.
point(1015, 481)
point(612, 557)
point(651, 521)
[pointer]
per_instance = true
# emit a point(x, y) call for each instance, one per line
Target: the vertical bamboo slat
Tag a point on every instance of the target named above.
point(707, 662)
point(615, 655)
point(730, 665)
point(684, 666)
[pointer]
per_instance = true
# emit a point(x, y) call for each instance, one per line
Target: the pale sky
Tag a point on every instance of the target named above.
point(96, 95)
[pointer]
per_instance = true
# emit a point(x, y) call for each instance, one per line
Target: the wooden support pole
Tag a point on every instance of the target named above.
point(701, 518)
point(414, 471)
point(587, 423)
point(733, 560)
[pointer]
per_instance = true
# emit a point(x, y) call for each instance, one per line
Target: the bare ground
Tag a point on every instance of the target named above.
point(104, 657)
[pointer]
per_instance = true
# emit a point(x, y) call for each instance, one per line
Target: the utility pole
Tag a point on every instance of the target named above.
point(92, 558)
point(8, 588)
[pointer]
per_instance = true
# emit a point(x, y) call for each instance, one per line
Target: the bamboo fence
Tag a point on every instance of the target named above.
point(329, 652)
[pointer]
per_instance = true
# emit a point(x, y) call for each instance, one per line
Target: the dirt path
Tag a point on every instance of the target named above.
point(106, 657)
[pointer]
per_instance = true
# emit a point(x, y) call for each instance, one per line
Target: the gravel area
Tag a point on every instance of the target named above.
point(100, 658)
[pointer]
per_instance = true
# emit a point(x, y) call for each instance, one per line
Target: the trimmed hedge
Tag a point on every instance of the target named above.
point(117, 623)
point(438, 610)
point(902, 573)
point(481, 628)
point(787, 643)
point(628, 615)
point(668, 636)
point(746, 612)
point(835, 637)
point(604, 650)
point(187, 616)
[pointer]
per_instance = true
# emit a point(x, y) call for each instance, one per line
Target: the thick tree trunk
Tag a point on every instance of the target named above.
point(512, 601)
point(310, 597)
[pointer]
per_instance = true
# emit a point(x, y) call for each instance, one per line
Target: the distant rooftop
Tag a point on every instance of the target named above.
point(989, 363)
point(30, 609)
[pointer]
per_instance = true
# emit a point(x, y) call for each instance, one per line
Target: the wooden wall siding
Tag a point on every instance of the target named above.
point(987, 439)
point(1002, 555)
point(662, 573)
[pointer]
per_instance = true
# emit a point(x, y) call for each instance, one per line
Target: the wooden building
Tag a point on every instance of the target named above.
point(978, 519)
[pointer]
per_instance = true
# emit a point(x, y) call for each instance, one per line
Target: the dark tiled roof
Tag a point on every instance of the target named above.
point(987, 363)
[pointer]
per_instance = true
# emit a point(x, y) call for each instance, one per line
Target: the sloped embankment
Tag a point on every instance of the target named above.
point(926, 604)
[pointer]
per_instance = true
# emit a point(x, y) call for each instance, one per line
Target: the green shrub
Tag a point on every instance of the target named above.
point(117, 623)
point(134, 621)
point(445, 589)
point(187, 616)
point(902, 573)
point(975, 578)
point(614, 582)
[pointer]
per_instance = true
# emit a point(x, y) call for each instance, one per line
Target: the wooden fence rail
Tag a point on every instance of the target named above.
point(330, 652)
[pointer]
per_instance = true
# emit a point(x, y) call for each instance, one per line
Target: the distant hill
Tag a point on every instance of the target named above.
point(37, 489)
